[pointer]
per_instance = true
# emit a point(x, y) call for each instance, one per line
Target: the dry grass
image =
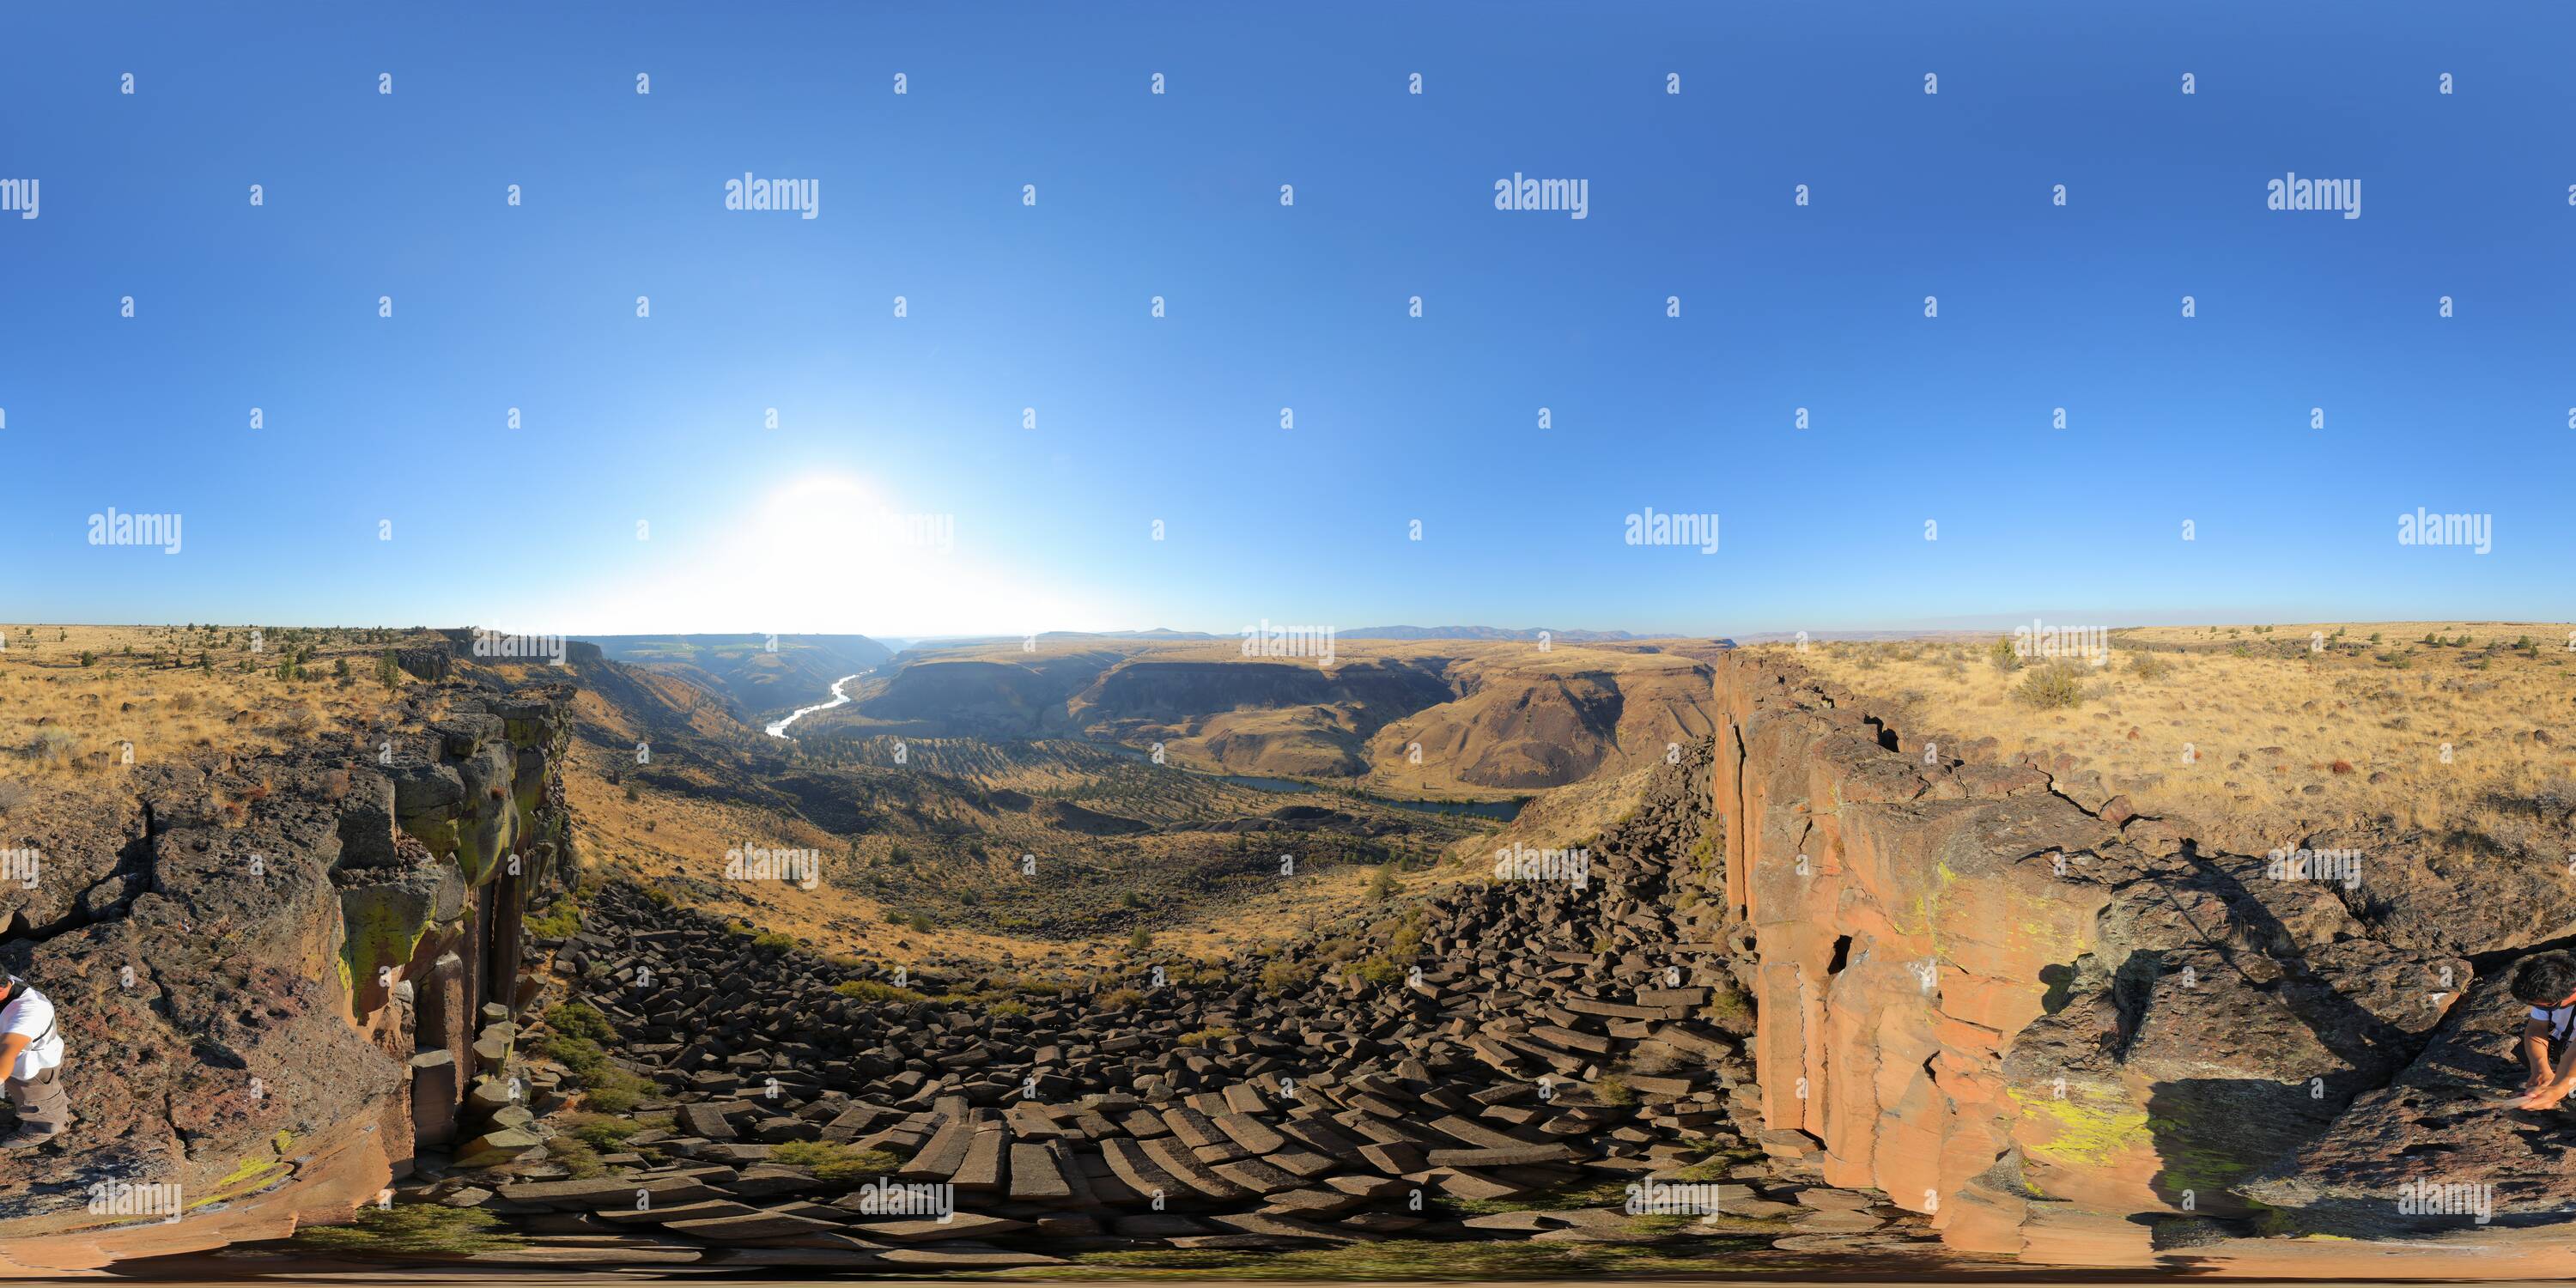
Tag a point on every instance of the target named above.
point(2255, 737)
point(61, 718)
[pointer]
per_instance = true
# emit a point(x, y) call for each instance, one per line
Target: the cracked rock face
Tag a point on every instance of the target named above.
point(2070, 1032)
point(226, 943)
point(204, 1015)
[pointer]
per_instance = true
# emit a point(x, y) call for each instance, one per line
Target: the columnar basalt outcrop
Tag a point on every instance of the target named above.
point(261, 964)
point(1516, 1054)
point(2064, 1030)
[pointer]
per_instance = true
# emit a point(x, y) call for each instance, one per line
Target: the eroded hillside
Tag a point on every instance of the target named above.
point(1434, 718)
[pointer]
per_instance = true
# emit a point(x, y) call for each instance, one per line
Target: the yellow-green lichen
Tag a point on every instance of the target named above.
point(248, 1175)
point(2091, 1135)
point(385, 924)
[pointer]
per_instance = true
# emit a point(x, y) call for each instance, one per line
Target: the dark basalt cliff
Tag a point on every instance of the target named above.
point(270, 973)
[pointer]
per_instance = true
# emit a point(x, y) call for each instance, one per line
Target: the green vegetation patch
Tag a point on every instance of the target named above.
point(560, 919)
point(573, 1039)
point(869, 990)
point(837, 1163)
point(412, 1229)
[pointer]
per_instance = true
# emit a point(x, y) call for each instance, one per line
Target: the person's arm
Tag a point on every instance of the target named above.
point(2535, 1053)
point(11, 1047)
point(2561, 1082)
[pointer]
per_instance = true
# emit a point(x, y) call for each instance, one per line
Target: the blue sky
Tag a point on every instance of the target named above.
point(372, 420)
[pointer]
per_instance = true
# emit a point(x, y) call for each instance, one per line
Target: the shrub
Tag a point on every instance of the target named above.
point(1123, 999)
point(835, 1162)
point(1382, 884)
point(1140, 939)
point(1728, 1008)
point(605, 1132)
point(1215, 1033)
point(2055, 685)
point(869, 990)
point(560, 920)
point(573, 1041)
point(578, 1156)
point(2002, 655)
point(50, 745)
point(1406, 943)
point(1703, 854)
point(1614, 1090)
point(413, 1228)
point(1375, 970)
point(614, 1091)
point(1284, 975)
point(2147, 666)
point(774, 943)
point(580, 1020)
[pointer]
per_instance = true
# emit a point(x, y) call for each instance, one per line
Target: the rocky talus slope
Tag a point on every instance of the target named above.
point(2071, 1033)
point(1529, 1049)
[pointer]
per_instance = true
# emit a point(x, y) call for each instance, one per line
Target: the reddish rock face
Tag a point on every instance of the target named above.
point(2065, 1033)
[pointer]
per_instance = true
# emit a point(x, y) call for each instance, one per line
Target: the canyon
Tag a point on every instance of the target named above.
point(1892, 1002)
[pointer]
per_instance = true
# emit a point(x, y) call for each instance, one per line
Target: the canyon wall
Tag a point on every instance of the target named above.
point(2068, 1033)
point(271, 974)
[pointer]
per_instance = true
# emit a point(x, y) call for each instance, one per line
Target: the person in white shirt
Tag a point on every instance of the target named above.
point(31, 1054)
point(2546, 982)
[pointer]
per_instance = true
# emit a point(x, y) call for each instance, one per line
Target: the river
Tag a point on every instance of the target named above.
point(778, 728)
point(1500, 811)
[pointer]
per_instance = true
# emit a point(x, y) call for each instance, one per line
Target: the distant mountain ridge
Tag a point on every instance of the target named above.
point(1362, 633)
point(1484, 633)
point(757, 673)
